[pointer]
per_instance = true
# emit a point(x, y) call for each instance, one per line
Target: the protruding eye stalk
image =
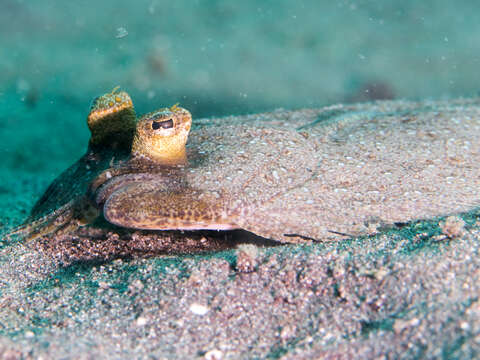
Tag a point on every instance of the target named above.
point(112, 120)
point(161, 136)
point(165, 124)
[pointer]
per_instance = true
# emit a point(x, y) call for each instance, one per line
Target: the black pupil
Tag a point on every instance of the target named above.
point(167, 124)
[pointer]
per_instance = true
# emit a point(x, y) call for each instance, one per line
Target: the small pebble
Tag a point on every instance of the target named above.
point(453, 227)
point(141, 321)
point(401, 324)
point(103, 285)
point(288, 332)
point(247, 258)
point(214, 354)
point(198, 309)
point(136, 286)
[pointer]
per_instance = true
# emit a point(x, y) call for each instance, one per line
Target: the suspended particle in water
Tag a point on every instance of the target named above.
point(121, 32)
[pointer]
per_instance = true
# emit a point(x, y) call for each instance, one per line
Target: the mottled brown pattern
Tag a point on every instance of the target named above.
point(326, 174)
point(296, 176)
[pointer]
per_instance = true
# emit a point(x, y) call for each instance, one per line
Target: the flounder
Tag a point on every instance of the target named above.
point(295, 176)
point(291, 180)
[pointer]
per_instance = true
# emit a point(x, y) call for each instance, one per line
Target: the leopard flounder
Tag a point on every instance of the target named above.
point(345, 172)
point(295, 176)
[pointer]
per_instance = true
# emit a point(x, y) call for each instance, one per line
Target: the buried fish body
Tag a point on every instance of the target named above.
point(292, 180)
point(295, 176)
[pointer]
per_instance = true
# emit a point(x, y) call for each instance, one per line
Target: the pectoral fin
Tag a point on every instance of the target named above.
point(147, 205)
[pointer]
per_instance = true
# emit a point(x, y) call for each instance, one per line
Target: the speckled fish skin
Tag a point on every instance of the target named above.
point(317, 174)
point(155, 197)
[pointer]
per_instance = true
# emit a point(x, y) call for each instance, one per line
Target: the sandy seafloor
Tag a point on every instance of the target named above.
point(410, 293)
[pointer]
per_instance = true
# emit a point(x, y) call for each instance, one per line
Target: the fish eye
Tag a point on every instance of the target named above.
point(165, 124)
